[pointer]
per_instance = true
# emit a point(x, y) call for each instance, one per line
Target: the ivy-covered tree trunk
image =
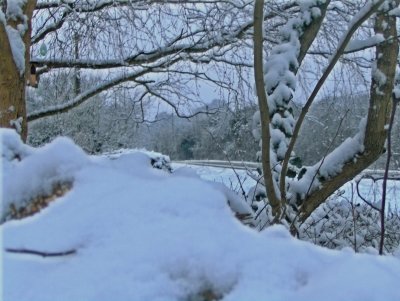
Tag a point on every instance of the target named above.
point(275, 91)
point(15, 32)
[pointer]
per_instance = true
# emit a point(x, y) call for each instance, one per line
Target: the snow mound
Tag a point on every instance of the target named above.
point(145, 234)
point(31, 172)
point(158, 160)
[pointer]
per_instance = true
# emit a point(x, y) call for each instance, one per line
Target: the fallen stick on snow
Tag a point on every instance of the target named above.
point(39, 253)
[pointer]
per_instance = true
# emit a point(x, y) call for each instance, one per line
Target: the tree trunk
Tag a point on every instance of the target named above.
point(378, 114)
point(12, 80)
point(12, 89)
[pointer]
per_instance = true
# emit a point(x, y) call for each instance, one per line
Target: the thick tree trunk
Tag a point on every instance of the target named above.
point(379, 112)
point(12, 81)
point(12, 89)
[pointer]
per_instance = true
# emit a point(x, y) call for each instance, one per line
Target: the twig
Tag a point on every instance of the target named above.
point(230, 163)
point(395, 101)
point(363, 198)
point(40, 253)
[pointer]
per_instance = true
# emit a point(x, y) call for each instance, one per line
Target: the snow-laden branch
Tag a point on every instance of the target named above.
point(143, 57)
point(135, 76)
point(358, 19)
point(357, 153)
point(191, 43)
point(275, 90)
point(15, 21)
point(81, 98)
point(329, 166)
point(93, 5)
point(45, 30)
point(358, 45)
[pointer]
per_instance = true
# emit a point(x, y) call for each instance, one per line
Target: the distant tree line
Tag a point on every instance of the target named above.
point(114, 120)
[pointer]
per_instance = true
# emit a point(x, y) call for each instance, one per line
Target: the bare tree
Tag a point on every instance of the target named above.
point(166, 50)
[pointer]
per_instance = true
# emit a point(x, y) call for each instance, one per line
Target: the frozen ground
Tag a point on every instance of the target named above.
point(140, 233)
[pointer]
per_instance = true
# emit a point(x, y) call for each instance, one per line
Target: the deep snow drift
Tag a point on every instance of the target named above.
point(144, 234)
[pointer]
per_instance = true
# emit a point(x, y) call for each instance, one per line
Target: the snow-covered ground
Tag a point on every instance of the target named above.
point(141, 233)
point(240, 179)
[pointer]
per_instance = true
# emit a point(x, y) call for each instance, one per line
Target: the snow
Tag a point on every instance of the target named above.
point(395, 12)
point(32, 172)
point(2, 17)
point(356, 44)
point(146, 234)
point(396, 89)
point(17, 47)
point(15, 13)
point(11, 145)
point(14, 9)
point(17, 124)
point(330, 165)
point(378, 75)
point(362, 14)
point(280, 71)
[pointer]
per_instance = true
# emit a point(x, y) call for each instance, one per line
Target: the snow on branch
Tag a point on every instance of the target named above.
point(176, 45)
point(357, 45)
point(316, 183)
point(81, 98)
point(279, 82)
point(133, 76)
point(396, 89)
point(280, 77)
point(369, 8)
point(358, 19)
point(15, 10)
point(17, 47)
point(329, 166)
point(93, 5)
point(16, 24)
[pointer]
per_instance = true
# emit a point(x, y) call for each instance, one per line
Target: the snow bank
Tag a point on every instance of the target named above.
point(32, 172)
point(144, 234)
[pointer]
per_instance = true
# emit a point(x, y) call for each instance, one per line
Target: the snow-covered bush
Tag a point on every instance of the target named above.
point(340, 223)
point(157, 160)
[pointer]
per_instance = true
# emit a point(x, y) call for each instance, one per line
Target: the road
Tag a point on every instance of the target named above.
point(376, 173)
